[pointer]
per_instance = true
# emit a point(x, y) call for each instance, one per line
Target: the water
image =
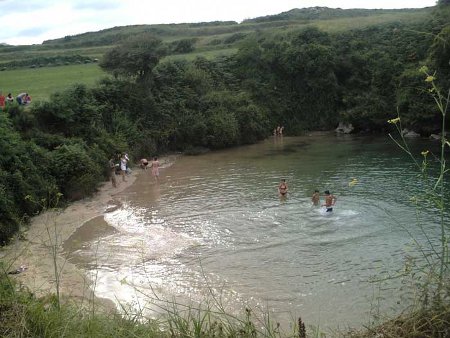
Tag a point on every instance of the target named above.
point(214, 224)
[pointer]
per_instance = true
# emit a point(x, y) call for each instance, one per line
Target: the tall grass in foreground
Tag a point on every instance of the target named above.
point(23, 315)
point(437, 257)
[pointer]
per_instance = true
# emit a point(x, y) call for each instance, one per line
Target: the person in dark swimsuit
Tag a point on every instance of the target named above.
point(283, 188)
point(330, 200)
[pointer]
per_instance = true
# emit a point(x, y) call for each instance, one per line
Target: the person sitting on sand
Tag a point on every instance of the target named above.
point(283, 188)
point(315, 199)
point(330, 201)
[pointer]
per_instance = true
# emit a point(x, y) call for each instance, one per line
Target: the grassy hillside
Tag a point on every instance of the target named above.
point(210, 36)
point(55, 64)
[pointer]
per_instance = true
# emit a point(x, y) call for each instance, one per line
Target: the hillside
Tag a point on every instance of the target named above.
point(211, 38)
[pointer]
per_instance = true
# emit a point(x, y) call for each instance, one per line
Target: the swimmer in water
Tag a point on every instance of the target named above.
point(283, 188)
point(330, 201)
point(315, 199)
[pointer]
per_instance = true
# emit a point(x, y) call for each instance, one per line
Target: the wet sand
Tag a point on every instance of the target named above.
point(53, 235)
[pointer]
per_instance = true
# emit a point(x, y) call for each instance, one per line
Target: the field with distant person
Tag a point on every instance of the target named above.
point(41, 82)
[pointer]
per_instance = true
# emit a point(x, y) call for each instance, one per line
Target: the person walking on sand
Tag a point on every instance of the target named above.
point(112, 172)
point(283, 188)
point(123, 167)
point(155, 168)
point(330, 201)
point(315, 199)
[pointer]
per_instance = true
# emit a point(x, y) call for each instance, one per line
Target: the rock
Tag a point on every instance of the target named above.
point(409, 133)
point(344, 128)
point(436, 137)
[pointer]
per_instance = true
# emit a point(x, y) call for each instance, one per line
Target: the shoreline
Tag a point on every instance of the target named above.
point(47, 234)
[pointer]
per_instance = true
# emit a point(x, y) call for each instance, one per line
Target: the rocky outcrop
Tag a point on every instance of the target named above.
point(410, 133)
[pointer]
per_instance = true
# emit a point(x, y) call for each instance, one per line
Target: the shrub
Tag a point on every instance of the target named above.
point(76, 173)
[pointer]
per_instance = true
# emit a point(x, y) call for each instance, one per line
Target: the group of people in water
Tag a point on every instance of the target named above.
point(22, 99)
point(330, 199)
point(122, 168)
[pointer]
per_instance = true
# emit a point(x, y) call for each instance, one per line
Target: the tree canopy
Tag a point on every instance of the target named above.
point(135, 57)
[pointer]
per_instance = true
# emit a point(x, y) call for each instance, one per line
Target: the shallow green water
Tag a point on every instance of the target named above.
point(214, 223)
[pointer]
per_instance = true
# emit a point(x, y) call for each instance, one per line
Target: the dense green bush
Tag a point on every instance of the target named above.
point(76, 173)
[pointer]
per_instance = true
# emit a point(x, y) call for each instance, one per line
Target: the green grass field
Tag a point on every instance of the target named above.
point(41, 82)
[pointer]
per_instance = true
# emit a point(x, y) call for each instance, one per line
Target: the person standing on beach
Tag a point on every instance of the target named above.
point(155, 168)
point(123, 167)
point(112, 172)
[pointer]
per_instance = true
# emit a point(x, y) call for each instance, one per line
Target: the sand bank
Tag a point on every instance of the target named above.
point(46, 242)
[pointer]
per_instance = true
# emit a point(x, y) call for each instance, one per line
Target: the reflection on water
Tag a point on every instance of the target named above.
point(215, 223)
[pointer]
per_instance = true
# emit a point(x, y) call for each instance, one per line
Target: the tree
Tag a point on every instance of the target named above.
point(136, 57)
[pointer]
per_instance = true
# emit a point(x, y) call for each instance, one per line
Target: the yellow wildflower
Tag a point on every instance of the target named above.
point(394, 121)
point(429, 78)
point(353, 182)
point(425, 153)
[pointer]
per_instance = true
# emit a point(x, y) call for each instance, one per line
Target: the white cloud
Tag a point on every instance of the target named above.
point(40, 20)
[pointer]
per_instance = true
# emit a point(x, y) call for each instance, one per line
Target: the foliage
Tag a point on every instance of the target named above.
point(135, 57)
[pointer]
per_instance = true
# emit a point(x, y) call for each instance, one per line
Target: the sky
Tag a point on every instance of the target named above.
point(33, 21)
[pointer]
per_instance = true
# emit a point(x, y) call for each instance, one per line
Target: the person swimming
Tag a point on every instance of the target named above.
point(283, 188)
point(330, 201)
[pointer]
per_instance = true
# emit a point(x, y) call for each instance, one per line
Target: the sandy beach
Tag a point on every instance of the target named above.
point(45, 238)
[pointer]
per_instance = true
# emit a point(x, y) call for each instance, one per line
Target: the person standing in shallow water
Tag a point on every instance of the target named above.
point(123, 167)
point(315, 199)
point(283, 188)
point(155, 168)
point(330, 201)
point(112, 169)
